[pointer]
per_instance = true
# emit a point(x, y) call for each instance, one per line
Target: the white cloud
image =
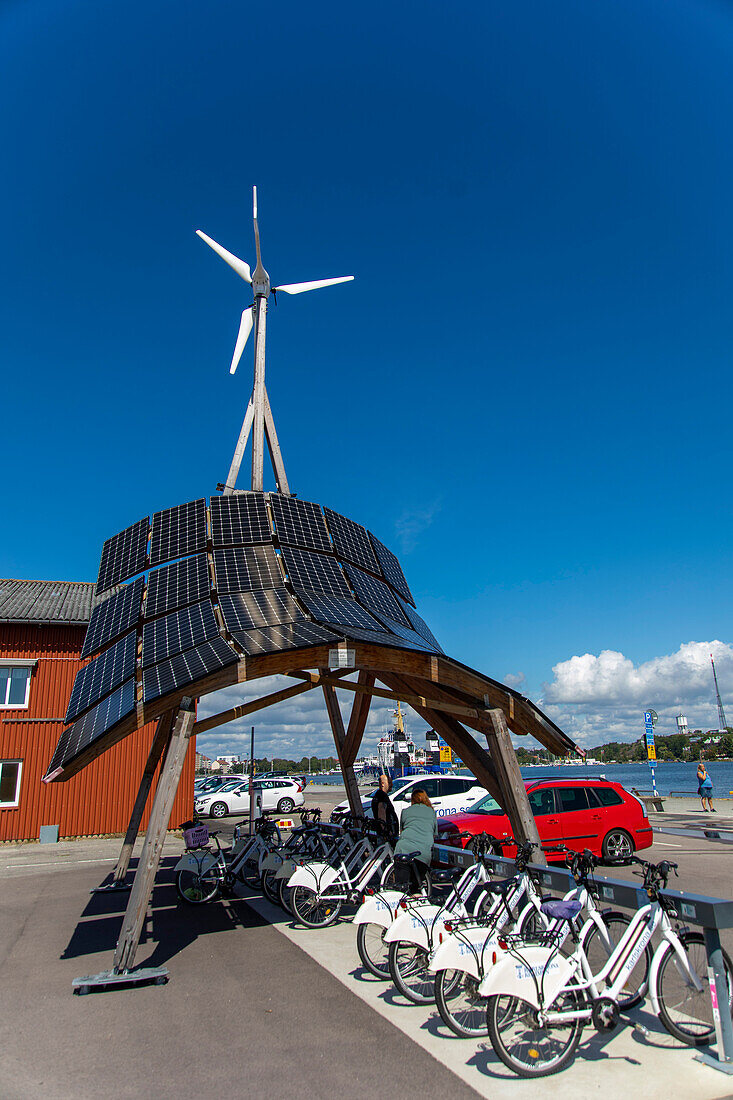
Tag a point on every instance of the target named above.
point(602, 698)
point(413, 522)
point(295, 728)
point(514, 680)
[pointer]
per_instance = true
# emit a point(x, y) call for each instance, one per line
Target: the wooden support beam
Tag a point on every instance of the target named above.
point(158, 747)
point(165, 793)
point(358, 718)
point(414, 700)
point(460, 740)
point(339, 736)
point(250, 708)
point(516, 802)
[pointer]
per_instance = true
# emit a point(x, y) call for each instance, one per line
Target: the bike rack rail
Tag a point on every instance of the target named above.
point(712, 915)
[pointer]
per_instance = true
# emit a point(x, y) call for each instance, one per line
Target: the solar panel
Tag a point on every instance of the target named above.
point(94, 723)
point(176, 585)
point(178, 532)
point(421, 626)
point(314, 572)
point(379, 637)
point(124, 555)
point(114, 616)
point(375, 595)
point(244, 610)
point(182, 630)
point(239, 519)
point(392, 569)
point(351, 541)
point(409, 635)
point(246, 568)
point(271, 639)
point(338, 610)
point(102, 675)
point(299, 523)
point(186, 668)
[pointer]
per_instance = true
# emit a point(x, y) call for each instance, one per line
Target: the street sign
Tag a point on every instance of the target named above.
point(651, 752)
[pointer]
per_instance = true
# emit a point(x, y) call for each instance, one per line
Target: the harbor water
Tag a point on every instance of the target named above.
point(680, 778)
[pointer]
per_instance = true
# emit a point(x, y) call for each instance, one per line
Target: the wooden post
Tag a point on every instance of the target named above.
point(160, 742)
point(516, 802)
point(358, 718)
point(339, 736)
point(165, 793)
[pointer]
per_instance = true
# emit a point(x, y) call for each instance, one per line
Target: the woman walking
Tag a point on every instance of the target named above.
point(705, 787)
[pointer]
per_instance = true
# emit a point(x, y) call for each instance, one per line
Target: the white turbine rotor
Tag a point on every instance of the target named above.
point(245, 327)
point(241, 268)
point(300, 288)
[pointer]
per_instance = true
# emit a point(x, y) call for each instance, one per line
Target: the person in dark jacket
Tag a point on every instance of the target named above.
point(418, 830)
point(382, 808)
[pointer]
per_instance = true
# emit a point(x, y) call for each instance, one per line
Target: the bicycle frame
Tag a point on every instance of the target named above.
point(336, 883)
point(422, 919)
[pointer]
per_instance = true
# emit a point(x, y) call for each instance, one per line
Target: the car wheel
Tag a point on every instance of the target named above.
point(285, 805)
point(617, 845)
point(219, 809)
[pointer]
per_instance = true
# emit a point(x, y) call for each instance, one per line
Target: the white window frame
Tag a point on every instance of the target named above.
point(13, 805)
point(18, 662)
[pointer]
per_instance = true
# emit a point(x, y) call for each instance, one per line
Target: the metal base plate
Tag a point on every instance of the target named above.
point(715, 1063)
point(109, 979)
point(111, 888)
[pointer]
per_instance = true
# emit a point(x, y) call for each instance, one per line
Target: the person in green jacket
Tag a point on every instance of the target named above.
point(418, 830)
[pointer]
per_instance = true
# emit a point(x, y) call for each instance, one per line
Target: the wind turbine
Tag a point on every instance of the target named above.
point(259, 414)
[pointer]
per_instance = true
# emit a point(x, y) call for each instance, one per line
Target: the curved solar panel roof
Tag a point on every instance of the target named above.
point(249, 573)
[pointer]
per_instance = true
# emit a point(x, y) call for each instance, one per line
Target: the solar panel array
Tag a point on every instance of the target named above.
point(247, 568)
point(299, 523)
point(314, 572)
point(178, 532)
point(285, 574)
point(176, 585)
point(239, 520)
point(113, 617)
point(182, 630)
point(124, 555)
point(270, 607)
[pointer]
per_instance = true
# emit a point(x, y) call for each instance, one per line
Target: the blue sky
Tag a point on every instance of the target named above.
point(526, 392)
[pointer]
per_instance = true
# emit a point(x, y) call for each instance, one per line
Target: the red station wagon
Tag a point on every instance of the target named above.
point(581, 813)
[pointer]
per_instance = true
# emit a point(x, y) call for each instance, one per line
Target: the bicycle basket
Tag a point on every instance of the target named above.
point(196, 836)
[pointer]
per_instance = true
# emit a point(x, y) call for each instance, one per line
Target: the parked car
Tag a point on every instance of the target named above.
point(449, 794)
point(233, 797)
point(592, 813)
point(207, 784)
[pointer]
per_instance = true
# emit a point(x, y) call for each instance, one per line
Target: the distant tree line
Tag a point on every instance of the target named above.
point(675, 746)
point(291, 767)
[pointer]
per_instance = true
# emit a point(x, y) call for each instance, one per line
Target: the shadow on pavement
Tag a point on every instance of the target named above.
point(174, 924)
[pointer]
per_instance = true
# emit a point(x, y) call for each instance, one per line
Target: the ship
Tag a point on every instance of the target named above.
point(397, 754)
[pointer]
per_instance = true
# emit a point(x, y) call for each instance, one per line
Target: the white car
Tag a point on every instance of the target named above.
point(449, 794)
point(282, 795)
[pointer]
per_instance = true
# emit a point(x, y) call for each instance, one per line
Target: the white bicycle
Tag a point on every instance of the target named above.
point(539, 999)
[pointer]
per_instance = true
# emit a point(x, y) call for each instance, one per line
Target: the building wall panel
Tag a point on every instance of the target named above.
point(99, 799)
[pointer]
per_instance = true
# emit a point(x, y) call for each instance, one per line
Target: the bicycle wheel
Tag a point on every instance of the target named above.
point(533, 924)
point(598, 953)
point(528, 1048)
point(197, 889)
point(373, 951)
point(408, 968)
point(269, 886)
point(283, 895)
point(250, 874)
point(687, 1014)
point(459, 1003)
point(312, 911)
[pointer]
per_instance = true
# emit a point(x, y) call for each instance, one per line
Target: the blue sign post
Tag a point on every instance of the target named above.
point(650, 717)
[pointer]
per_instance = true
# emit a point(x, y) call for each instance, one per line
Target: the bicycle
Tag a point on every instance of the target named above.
point(539, 999)
point(203, 874)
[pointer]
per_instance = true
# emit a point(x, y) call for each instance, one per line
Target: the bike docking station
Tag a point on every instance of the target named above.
point(711, 915)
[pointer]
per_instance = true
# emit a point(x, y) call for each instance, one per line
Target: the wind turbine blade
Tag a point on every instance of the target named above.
point(300, 288)
point(241, 268)
point(245, 327)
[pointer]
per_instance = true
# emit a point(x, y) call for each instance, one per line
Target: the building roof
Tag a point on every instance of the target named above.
point(41, 602)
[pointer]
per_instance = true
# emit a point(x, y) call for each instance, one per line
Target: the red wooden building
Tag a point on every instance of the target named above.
point(42, 627)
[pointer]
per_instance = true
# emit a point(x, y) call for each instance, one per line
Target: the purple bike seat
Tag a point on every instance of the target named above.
point(561, 910)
